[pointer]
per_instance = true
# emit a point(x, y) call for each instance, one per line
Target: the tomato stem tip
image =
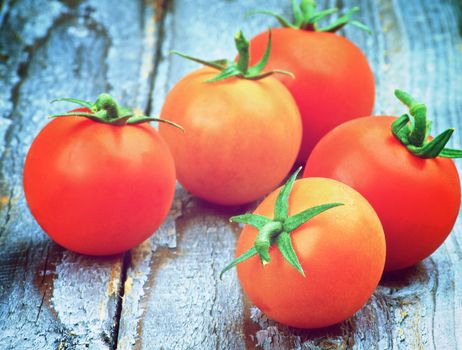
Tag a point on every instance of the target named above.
point(241, 68)
point(413, 131)
point(306, 17)
point(107, 110)
point(277, 230)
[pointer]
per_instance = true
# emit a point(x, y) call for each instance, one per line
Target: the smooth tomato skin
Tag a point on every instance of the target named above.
point(417, 199)
point(241, 137)
point(98, 189)
point(333, 80)
point(342, 252)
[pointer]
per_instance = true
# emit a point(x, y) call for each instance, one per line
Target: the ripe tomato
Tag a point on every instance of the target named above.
point(242, 136)
point(341, 251)
point(333, 80)
point(97, 188)
point(416, 199)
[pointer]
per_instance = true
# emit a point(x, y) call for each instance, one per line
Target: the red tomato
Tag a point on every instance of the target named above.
point(416, 199)
point(341, 251)
point(96, 188)
point(333, 81)
point(241, 136)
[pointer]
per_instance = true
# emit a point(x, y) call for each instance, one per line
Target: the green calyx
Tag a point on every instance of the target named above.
point(277, 230)
point(306, 17)
point(107, 110)
point(413, 131)
point(241, 68)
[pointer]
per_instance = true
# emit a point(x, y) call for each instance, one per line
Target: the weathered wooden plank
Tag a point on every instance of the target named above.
point(173, 297)
point(50, 298)
point(190, 300)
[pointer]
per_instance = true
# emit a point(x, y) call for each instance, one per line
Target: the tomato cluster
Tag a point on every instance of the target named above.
point(378, 192)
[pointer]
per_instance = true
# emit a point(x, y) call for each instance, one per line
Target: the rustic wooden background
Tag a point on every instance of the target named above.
point(166, 294)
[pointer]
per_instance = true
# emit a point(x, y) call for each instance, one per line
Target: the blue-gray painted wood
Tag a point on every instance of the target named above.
point(50, 298)
point(166, 292)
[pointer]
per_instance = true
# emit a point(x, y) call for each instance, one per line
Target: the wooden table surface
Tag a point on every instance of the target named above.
point(165, 293)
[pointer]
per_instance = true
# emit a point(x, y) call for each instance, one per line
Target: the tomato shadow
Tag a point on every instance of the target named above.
point(197, 204)
point(334, 331)
point(94, 259)
point(405, 277)
point(222, 210)
point(263, 331)
point(332, 337)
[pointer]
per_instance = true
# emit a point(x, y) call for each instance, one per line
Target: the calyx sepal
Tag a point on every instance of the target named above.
point(107, 110)
point(306, 17)
point(241, 68)
point(413, 131)
point(277, 231)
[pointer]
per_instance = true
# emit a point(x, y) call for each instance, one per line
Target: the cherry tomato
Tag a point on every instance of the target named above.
point(341, 252)
point(97, 188)
point(241, 136)
point(333, 80)
point(417, 199)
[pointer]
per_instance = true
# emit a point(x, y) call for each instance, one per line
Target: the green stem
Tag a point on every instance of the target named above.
point(264, 239)
point(212, 64)
point(418, 133)
point(241, 69)
point(306, 17)
point(107, 110)
point(419, 112)
point(242, 46)
point(277, 230)
point(308, 7)
point(413, 131)
point(107, 103)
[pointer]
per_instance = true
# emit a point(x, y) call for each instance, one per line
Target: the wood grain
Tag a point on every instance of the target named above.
point(177, 299)
point(50, 298)
point(166, 294)
point(413, 309)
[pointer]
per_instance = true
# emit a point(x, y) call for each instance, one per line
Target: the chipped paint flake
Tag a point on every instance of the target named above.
point(128, 285)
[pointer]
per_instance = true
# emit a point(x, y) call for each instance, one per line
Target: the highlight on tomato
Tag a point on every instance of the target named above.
point(99, 180)
point(406, 175)
point(311, 254)
point(333, 80)
point(243, 128)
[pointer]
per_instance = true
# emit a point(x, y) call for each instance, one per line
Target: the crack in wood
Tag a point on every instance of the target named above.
point(161, 7)
point(119, 304)
point(44, 293)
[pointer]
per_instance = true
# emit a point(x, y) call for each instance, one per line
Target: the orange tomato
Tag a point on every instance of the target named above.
point(241, 136)
point(333, 80)
point(341, 251)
